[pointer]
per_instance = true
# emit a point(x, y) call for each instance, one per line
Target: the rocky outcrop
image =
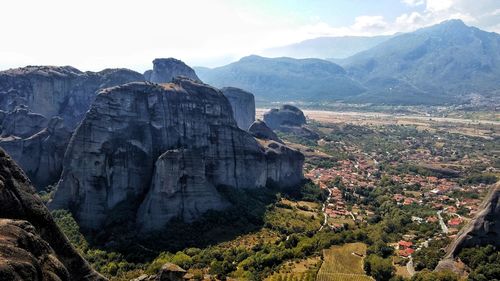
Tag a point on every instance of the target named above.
point(287, 115)
point(169, 147)
point(22, 123)
point(260, 130)
point(483, 230)
point(41, 154)
point(63, 91)
point(289, 119)
point(32, 247)
point(165, 70)
point(243, 105)
point(32, 96)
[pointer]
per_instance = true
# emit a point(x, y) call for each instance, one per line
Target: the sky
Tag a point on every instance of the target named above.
point(98, 34)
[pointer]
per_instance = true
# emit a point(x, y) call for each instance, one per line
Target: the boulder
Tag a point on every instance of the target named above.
point(167, 148)
point(164, 70)
point(32, 247)
point(243, 105)
point(260, 130)
point(171, 272)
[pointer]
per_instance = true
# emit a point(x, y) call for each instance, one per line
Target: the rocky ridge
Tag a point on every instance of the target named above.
point(164, 149)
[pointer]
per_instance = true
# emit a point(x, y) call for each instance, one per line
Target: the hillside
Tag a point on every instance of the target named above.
point(284, 79)
point(430, 65)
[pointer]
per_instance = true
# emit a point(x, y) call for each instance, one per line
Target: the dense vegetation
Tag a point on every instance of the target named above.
point(484, 262)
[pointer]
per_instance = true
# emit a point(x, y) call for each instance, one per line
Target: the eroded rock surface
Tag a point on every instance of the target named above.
point(243, 105)
point(165, 70)
point(62, 91)
point(170, 144)
point(41, 154)
point(32, 247)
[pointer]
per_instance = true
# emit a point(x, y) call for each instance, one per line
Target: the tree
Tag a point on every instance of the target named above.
point(379, 268)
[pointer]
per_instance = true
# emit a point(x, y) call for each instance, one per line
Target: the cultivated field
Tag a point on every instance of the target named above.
point(343, 263)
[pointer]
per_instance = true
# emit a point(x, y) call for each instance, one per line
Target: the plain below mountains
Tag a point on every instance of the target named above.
point(448, 63)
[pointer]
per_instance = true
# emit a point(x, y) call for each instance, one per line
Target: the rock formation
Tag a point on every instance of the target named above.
point(22, 123)
point(31, 97)
point(164, 70)
point(32, 247)
point(483, 230)
point(169, 145)
point(243, 105)
point(41, 154)
point(51, 91)
point(287, 115)
point(260, 130)
point(289, 119)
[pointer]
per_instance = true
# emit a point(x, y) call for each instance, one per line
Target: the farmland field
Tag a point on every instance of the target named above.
point(343, 263)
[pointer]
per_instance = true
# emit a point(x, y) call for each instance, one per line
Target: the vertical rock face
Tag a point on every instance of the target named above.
point(31, 96)
point(170, 144)
point(42, 153)
point(164, 70)
point(243, 104)
point(32, 247)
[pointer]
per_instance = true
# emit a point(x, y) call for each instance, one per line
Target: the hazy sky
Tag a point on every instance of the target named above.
point(95, 34)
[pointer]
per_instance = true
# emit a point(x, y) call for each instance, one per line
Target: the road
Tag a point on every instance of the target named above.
point(325, 221)
point(441, 222)
point(409, 267)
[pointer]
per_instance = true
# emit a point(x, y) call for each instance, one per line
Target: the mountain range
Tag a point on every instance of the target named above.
point(447, 63)
point(326, 47)
point(279, 79)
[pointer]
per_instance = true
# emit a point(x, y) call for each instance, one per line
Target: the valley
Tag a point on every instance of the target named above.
point(387, 183)
point(294, 141)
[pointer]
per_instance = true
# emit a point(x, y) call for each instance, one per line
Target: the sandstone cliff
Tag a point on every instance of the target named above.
point(483, 230)
point(168, 147)
point(243, 105)
point(31, 96)
point(31, 245)
point(164, 70)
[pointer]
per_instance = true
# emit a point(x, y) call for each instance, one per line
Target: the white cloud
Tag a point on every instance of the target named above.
point(438, 5)
point(414, 2)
